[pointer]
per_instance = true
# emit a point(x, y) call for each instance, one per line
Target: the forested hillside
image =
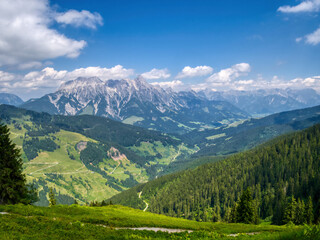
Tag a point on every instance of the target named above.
point(278, 171)
point(87, 158)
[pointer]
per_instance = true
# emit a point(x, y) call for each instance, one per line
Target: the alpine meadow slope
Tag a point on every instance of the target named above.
point(87, 158)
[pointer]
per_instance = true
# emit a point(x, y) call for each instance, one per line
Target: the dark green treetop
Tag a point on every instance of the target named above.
point(13, 188)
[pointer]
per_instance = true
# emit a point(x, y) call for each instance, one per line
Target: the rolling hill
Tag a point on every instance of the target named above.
point(87, 157)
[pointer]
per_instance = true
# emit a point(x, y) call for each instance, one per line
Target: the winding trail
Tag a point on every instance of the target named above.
point(115, 168)
point(147, 205)
point(53, 165)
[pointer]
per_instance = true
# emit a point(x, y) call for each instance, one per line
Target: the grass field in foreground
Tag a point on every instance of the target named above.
point(80, 222)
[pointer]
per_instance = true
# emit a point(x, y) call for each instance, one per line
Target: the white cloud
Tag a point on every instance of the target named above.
point(175, 84)
point(116, 72)
point(78, 19)
point(229, 74)
point(26, 36)
point(304, 6)
point(313, 38)
point(260, 83)
point(51, 78)
point(6, 77)
point(188, 72)
point(156, 74)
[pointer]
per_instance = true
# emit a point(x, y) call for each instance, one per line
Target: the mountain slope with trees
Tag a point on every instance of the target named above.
point(87, 158)
point(285, 168)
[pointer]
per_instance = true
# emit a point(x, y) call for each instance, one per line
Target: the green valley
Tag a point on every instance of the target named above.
point(86, 158)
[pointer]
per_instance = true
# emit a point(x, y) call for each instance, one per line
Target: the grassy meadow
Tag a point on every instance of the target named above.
point(114, 221)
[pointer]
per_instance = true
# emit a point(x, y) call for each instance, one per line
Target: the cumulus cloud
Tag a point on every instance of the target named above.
point(188, 72)
point(79, 19)
point(116, 72)
point(156, 74)
point(175, 84)
point(6, 77)
point(260, 83)
point(313, 38)
point(229, 74)
point(26, 37)
point(51, 78)
point(304, 6)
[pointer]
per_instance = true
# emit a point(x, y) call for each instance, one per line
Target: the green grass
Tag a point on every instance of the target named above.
point(216, 136)
point(80, 222)
point(71, 177)
point(132, 120)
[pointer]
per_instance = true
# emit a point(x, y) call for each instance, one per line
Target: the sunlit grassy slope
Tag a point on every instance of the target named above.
point(66, 171)
point(79, 222)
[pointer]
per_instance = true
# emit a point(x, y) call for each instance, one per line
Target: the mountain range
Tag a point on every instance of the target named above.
point(149, 106)
point(137, 102)
point(266, 101)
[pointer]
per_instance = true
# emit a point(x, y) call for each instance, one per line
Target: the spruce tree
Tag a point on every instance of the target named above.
point(309, 211)
point(245, 209)
point(300, 217)
point(52, 198)
point(290, 211)
point(233, 214)
point(13, 188)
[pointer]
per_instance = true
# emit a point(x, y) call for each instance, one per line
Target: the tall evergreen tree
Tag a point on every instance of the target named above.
point(52, 198)
point(245, 209)
point(13, 188)
point(290, 211)
point(309, 211)
point(300, 217)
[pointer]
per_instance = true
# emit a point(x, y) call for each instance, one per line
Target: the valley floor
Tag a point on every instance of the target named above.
point(118, 222)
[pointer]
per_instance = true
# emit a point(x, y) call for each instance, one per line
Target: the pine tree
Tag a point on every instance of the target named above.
point(317, 213)
point(52, 198)
point(300, 217)
point(309, 211)
point(233, 214)
point(290, 211)
point(245, 209)
point(13, 187)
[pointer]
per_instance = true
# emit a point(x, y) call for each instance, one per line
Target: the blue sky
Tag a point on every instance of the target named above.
point(277, 40)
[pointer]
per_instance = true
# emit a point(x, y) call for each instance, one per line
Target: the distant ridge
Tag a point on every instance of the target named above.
point(267, 101)
point(10, 99)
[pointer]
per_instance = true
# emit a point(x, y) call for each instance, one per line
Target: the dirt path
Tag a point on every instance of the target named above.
point(115, 168)
point(147, 205)
point(53, 165)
